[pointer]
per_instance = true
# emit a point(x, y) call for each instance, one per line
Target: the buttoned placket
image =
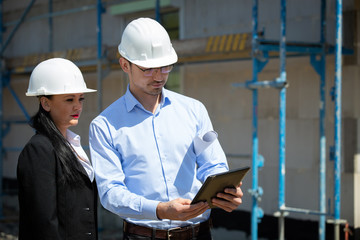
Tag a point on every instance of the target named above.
point(158, 140)
point(87, 209)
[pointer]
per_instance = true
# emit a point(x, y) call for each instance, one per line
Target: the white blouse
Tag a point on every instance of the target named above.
point(74, 141)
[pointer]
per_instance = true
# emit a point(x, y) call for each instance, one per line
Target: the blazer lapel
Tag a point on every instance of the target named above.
point(81, 169)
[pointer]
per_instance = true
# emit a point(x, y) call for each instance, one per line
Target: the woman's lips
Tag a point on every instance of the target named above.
point(75, 116)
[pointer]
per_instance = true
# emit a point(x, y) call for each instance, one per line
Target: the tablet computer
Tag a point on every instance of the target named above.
point(217, 183)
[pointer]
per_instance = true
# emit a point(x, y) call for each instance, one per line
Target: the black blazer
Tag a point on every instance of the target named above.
point(49, 209)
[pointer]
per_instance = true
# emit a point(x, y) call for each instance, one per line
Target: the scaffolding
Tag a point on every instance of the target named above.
point(260, 57)
point(5, 76)
point(317, 52)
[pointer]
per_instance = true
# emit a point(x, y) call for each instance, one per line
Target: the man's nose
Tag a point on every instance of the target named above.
point(157, 75)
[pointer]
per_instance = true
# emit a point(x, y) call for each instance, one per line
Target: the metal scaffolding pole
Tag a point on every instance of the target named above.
point(255, 212)
point(100, 10)
point(1, 112)
point(322, 114)
point(50, 20)
point(255, 142)
point(337, 132)
point(282, 120)
point(157, 11)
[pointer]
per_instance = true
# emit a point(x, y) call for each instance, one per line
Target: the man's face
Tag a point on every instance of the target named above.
point(141, 82)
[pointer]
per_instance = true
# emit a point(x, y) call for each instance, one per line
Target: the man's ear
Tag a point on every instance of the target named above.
point(125, 64)
point(44, 101)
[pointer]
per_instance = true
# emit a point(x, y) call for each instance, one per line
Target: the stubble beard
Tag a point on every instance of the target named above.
point(155, 91)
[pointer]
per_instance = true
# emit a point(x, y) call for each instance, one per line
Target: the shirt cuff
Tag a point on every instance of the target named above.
point(149, 209)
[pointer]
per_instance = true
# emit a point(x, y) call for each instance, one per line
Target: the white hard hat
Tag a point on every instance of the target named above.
point(56, 76)
point(146, 43)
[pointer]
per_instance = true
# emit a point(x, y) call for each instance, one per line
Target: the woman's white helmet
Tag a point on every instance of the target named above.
point(146, 43)
point(56, 76)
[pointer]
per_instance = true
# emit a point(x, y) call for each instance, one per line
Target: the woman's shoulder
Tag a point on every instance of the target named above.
point(35, 152)
point(39, 141)
point(39, 138)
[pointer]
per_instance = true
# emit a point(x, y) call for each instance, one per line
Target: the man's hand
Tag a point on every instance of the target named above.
point(180, 209)
point(232, 198)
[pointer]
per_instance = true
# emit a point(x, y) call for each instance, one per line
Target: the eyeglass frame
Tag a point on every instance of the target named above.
point(151, 70)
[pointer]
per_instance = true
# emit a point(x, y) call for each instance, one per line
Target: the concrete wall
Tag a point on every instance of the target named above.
point(229, 108)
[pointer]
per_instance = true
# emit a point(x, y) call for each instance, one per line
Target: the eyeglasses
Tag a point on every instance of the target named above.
point(150, 71)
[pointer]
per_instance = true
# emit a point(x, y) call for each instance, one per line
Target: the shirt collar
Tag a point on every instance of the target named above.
point(131, 101)
point(73, 138)
point(165, 98)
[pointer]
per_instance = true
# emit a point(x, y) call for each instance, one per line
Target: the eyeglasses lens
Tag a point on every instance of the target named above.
point(166, 69)
point(149, 72)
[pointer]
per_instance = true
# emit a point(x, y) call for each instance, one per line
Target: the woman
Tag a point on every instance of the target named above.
point(57, 190)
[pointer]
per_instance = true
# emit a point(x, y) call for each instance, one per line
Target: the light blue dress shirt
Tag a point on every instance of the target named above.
point(141, 158)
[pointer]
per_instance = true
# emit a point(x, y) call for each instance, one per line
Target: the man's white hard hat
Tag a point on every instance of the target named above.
point(56, 76)
point(146, 43)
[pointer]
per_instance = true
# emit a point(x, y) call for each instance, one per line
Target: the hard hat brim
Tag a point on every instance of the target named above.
point(30, 94)
point(154, 63)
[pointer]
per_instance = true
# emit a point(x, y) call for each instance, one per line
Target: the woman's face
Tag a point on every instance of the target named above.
point(64, 109)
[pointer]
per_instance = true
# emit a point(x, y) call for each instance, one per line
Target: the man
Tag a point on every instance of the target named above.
point(142, 146)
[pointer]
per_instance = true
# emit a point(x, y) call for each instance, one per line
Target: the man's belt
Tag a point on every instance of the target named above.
point(186, 232)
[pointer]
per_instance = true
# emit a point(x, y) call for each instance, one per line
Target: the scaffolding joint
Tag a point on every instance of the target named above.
point(259, 214)
point(336, 221)
point(256, 193)
point(252, 85)
point(260, 161)
point(317, 62)
point(260, 55)
point(281, 212)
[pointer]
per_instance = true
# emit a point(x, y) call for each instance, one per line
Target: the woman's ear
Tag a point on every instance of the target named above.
point(44, 101)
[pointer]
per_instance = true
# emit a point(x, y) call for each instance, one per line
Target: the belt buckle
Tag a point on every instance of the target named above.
point(169, 230)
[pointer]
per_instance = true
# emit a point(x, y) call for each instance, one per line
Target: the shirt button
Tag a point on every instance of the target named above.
point(87, 209)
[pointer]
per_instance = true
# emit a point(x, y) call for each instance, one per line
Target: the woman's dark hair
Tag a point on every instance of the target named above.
point(43, 123)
